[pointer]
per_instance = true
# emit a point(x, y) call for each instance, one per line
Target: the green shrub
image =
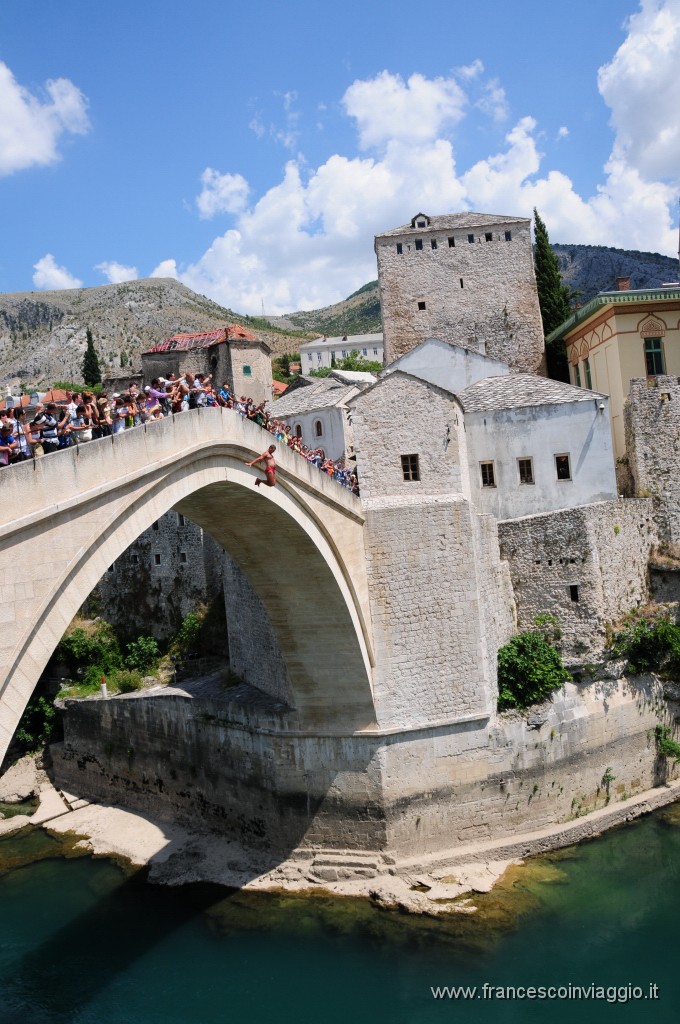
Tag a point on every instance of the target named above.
point(126, 681)
point(529, 670)
point(37, 724)
point(665, 744)
point(142, 653)
point(95, 645)
point(188, 636)
point(650, 646)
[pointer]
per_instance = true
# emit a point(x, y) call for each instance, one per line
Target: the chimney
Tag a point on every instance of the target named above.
point(623, 284)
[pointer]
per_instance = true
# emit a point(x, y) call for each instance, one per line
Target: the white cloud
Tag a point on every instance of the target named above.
point(30, 129)
point(641, 85)
point(117, 273)
point(50, 276)
point(493, 101)
point(222, 193)
point(562, 132)
point(388, 109)
point(166, 268)
point(308, 240)
point(469, 71)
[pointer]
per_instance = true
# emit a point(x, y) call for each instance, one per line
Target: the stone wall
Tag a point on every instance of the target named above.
point(235, 765)
point(586, 565)
point(481, 295)
point(652, 430)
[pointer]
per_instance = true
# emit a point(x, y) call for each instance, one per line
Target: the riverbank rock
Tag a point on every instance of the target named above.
point(21, 781)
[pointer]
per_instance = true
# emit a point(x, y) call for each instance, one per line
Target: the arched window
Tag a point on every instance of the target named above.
point(298, 430)
point(318, 428)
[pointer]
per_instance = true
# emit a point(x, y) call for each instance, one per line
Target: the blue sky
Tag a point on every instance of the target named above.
point(253, 151)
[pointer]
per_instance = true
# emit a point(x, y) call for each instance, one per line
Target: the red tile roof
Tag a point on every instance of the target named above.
point(204, 339)
point(278, 387)
point(19, 401)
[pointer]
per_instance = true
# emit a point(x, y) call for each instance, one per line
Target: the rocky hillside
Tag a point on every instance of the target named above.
point(358, 314)
point(43, 334)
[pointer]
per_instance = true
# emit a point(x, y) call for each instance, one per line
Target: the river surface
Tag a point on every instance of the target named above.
point(85, 942)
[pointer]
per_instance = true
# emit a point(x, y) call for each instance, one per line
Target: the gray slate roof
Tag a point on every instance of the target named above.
point(323, 394)
point(456, 221)
point(519, 390)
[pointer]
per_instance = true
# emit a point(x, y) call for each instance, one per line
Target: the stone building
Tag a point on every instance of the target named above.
point(467, 278)
point(652, 437)
point(316, 411)
point(621, 335)
point(232, 353)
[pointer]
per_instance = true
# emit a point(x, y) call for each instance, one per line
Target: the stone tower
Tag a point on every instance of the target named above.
point(465, 278)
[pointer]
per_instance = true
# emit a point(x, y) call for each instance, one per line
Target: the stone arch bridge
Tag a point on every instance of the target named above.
point(65, 518)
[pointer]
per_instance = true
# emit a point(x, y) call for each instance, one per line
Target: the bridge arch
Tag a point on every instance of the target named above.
point(67, 517)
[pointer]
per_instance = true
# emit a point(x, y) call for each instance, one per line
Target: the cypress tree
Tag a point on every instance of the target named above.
point(91, 373)
point(553, 299)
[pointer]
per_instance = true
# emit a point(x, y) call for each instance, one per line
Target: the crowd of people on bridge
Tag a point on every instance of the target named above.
point(85, 417)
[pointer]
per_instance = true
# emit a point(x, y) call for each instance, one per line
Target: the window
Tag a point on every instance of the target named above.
point(332, 355)
point(433, 243)
point(247, 372)
point(309, 356)
point(298, 430)
point(526, 471)
point(155, 525)
point(508, 236)
point(134, 559)
point(654, 357)
point(344, 353)
point(577, 375)
point(421, 305)
point(452, 243)
point(410, 467)
point(421, 224)
point(400, 249)
point(589, 379)
point(156, 559)
point(318, 357)
point(562, 467)
point(183, 557)
point(573, 592)
point(364, 351)
point(181, 521)
point(419, 244)
point(318, 428)
point(488, 476)
point(375, 351)
point(461, 282)
point(488, 236)
point(471, 239)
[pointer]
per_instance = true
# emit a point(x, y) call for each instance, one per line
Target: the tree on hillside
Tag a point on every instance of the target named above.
point(91, 373)
point(553, 298)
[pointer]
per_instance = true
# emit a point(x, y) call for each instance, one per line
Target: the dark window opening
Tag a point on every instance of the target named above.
point(421, 305)
point(318, 428)
point(155, 525)
point(573, 592)
point(471, 239)
point(410, 467)
point(589, 378)
point(134, 559)
point(400, 248)
point(461, 282)
point(654, 357)
point(247, 372)
point(298, 430)
point(181, 521)
point(421, 224)
point(508, 236)
point(183, 557)
point(488, 476)
point(433, 243)
point(577, 375)
point(488, 236)
point(156, 559)
point(452, 243)
point(419, 244)
point(526, 471)
point(562, 467)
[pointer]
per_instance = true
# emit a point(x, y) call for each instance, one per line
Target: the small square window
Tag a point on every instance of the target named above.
point(488, 475)
point(183, 557)
point(156, 559)
point(410, 467)
point(134, 559)
point(419, 244)
point(563, 467)
point(526, 471)
point(452, 243)
point(421, 224)
point(508, 236)
point(488, 236)
point(400, 249)
point(471, 239)
point(573, 592)
point(247, 372)
point(421, 305)
point(433, 243)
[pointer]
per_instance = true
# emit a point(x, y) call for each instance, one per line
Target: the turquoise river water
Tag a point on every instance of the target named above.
point(84, 942)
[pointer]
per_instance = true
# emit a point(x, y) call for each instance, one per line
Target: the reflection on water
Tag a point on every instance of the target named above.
point(83, 942)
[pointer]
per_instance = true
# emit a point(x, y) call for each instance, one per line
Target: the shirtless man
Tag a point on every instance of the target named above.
point(269, 466)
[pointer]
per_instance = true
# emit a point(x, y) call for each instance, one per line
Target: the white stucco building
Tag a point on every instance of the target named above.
point(322, 352)
point(316, 410)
